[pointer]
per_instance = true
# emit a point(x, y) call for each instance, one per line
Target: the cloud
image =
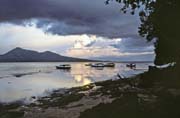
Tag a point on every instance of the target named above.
point(83, 46)
point(97, 52)
point(69, 17)
point(34, 38)
point(134, 44)
point(80, 28)
point(112, 49)
point(146, 57)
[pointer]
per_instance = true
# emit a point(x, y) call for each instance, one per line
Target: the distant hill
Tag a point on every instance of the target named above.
point(23, 55)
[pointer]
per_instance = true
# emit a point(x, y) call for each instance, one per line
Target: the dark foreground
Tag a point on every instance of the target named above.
point(153, 94)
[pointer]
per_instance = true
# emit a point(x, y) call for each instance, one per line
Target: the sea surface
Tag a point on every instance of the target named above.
point(21, 81)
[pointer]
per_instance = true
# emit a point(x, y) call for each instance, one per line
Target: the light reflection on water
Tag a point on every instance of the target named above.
point(36, 79)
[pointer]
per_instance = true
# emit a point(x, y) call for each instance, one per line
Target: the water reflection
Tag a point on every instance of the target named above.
point(81, 79)
point(44, 77)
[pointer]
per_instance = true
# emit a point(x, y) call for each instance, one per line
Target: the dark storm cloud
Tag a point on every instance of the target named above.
point(147, 57)
point(134, 44)
point(72, 16)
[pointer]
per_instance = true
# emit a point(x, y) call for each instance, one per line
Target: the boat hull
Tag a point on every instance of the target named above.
point(101, 65)
point(66, 68)
point(131, 65)
point(109, 65)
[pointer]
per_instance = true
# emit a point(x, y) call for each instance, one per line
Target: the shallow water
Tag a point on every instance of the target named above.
point(21, 81)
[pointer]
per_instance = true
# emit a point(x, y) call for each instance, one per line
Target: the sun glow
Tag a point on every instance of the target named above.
point(81, 79)
point(82, 46)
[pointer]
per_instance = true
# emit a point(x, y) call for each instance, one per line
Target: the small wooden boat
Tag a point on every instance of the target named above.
point(110, 65)
point(98, 65)
point(64, 66)
point(131, 65)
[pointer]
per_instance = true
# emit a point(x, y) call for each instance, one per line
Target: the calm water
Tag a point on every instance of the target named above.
point(21, 81)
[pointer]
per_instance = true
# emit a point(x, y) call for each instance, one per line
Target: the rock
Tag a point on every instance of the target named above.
point(174, 92)
point(33, 97)
point(146, 97)
point(151, 68)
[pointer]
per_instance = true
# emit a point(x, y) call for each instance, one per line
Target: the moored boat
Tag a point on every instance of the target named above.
point(64, 66)
point(110, 65)
point(131, 65)
point(98, 65)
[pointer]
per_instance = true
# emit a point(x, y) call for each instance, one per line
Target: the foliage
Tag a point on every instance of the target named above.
point(160, 19)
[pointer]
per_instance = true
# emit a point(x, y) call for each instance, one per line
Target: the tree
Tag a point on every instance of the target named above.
point(160, 19)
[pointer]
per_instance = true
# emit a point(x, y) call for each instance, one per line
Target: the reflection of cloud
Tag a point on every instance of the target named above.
point(81, 79)
point(78, 78)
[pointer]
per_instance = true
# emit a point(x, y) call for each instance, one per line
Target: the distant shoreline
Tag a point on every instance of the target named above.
point(77, 61)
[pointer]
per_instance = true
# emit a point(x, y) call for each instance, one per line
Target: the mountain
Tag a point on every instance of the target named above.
point(23, 55)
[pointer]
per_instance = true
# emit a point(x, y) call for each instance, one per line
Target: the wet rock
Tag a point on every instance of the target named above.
point(33, 97)
point(174, 92)
point(146, 97)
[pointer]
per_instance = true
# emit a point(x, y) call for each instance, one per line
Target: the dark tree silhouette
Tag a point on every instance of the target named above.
point(160, 19)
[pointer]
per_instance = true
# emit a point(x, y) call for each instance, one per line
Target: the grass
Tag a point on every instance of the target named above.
point(6, 111)
point(12, 115)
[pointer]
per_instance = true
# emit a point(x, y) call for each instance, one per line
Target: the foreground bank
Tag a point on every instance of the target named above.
point(145, 95)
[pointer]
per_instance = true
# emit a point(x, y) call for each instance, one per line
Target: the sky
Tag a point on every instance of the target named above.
point(81, 28)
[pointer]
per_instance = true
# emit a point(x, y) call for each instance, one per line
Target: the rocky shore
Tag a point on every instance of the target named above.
point(128, 97)
point(70, 103)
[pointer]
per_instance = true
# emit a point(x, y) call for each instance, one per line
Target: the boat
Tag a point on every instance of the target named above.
point(131, 65)
point(110, 65)
point(89, 64)
point(98, 65)
point(64, 66)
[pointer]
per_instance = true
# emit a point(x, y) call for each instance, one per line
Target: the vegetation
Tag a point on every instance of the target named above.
point(8, 111)
point(155, 93)
point(160, 20)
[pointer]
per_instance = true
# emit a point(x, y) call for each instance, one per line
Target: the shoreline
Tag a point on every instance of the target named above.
point(74, 100)
point(140, 96)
